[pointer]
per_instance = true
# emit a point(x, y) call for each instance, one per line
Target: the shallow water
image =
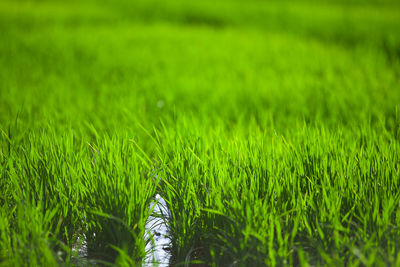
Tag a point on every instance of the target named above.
point(159, 255)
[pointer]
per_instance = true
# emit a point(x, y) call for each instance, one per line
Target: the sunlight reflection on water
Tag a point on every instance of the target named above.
point(159, 255)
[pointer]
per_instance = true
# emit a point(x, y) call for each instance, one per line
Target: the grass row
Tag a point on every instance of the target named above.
point(263, 198)
point(59, 191)
point(254, 198)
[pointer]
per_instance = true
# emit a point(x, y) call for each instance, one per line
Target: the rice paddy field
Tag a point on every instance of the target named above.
point(270, 130)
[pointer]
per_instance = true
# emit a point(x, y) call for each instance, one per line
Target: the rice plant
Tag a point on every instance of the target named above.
point(268, 130)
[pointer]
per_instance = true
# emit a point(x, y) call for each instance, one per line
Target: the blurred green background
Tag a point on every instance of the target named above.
point(109, 63)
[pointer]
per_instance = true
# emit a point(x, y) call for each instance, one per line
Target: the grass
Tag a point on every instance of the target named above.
point(271, 129)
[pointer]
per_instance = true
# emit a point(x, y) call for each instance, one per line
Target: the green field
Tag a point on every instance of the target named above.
point(270, 128)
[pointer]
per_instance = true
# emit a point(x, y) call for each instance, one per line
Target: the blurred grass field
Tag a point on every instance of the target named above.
point(271, 129)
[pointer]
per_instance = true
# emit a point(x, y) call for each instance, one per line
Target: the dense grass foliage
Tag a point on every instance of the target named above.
point(271, 129)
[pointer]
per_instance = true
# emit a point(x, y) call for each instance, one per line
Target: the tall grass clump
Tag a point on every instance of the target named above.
point(120, 185)
point(261, 198)
point(74, 192)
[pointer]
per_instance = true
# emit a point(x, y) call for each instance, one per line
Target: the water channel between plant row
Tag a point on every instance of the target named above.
point(157, 227)
point(158, 253)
